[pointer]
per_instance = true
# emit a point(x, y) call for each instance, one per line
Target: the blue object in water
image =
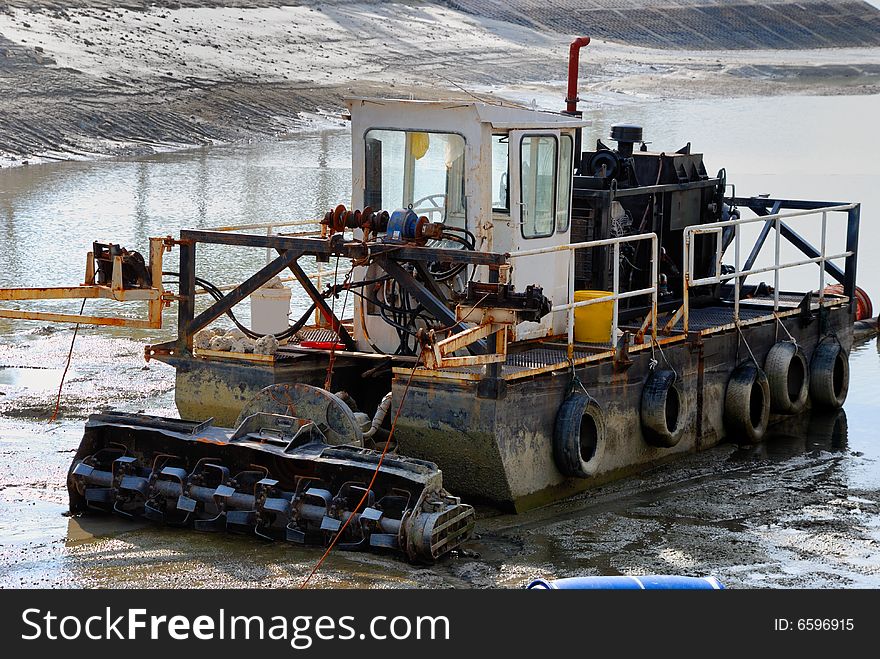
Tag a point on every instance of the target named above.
point(655, 582)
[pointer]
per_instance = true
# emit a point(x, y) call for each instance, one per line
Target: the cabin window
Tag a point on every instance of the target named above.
point(500, 163)
point(563, 189)
point(416, 168)
point(538, 164)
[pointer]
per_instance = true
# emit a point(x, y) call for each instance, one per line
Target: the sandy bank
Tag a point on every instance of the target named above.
point(95, 79)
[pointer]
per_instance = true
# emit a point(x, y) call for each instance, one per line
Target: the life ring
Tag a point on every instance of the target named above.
point(829, 375)
point(747, 404)
point(661, 409)
point(788, 375)
point(579, 436)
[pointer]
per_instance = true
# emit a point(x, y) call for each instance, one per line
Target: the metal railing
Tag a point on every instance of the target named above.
point(738, 274)
point(615, 296)
point(270, 227)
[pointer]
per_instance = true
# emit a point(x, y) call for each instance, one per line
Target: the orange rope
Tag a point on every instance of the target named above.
point(372, 480)
point(67, 365)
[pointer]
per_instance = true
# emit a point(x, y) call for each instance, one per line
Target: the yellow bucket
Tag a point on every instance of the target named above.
point(592, 323)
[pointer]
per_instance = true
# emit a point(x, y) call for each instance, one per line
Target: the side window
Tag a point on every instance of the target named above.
point(538, 163)
point(563, 189)
point(500, 190)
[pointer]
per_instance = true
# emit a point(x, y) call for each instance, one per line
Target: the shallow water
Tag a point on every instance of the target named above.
point(800, 510)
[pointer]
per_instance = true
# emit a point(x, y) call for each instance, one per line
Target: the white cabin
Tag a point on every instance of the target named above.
point(502, 172)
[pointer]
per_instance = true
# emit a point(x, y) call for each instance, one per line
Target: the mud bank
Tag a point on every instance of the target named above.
point(800, 510)
point(87, 78)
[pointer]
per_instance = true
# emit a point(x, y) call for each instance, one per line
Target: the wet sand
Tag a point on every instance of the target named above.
point(800, 510)
point(86, 78)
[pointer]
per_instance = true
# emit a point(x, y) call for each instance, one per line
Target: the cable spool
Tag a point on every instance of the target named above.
point(747, 404)
point(604, 161)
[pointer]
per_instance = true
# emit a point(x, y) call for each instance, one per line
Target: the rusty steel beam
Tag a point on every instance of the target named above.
point(240, 292)
point(354, 249)
point(154, 295)
point(321, 304)
point(80, 292)
point(435, 306)
point(50, 317)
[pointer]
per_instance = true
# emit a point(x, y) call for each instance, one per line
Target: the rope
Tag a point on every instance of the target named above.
point(743, 337)
point(654, 361)
point(67, 365)
point(781, 324)
point(576, 383)
point(369, 487)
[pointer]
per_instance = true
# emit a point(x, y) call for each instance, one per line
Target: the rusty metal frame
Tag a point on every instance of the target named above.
point(290, 249)
point(440, 353)
point(155, 296)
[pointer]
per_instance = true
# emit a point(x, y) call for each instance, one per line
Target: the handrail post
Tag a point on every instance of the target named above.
point(686, 282)
point(268, 249)
point(616, 291)
point(822, 262)
point(654, 284)
point(776, 268)
point(571, 287)
point(852, 245)
point(736, 281)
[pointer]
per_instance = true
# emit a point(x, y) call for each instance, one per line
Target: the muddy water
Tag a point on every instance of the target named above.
point(800, 510)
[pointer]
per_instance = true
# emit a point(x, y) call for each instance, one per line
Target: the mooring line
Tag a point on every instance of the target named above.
point(67, 365)
point(780, 323)
point(748, 347)
point(372, 480)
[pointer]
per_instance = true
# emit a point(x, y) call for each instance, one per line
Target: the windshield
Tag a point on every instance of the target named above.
point(418, 169)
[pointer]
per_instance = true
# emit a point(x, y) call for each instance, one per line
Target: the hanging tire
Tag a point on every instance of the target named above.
point(788, 376)
point(579, 436)
point(747, 404)
point(661, 409)
point(829, 375)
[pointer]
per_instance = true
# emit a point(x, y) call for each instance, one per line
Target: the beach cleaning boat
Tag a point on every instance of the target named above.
point(531, 316)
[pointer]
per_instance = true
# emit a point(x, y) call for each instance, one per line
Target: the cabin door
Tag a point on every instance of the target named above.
point(540, 190)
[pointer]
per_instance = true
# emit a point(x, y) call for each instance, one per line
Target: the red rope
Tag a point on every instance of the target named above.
point(372, 480)
point(67, 365)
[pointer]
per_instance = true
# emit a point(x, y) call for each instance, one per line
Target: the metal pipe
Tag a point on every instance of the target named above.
point(582, 245)
point(769, 268)
point(571, 99)
point(379, 416)
point(624, 582)
point(599, 300)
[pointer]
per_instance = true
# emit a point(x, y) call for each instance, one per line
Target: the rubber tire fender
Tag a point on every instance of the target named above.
point(661, 403)
point(789, 377)
point(579, 436)
point(829, 375)
point(747, 404)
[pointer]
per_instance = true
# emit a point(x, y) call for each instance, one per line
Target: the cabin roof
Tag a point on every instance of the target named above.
point(499, 116)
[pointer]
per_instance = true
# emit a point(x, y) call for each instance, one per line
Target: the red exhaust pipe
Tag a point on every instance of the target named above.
point(572, 99)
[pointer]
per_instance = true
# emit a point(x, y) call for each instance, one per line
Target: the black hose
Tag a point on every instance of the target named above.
point(217, 294)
